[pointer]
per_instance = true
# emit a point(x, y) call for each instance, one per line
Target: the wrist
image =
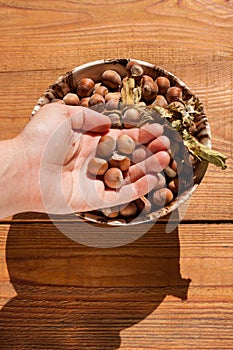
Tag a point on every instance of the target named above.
point(11, 179)
point(19, 178)
point(26, 189)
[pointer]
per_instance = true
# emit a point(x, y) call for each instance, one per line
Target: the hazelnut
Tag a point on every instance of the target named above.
point(113, 96)
point(134, 69)
point(112, 100)
point(97, 166)
point(101, 90)
point(131, 118)
point(170, 172)
point(149, 88)
point(160, 101)
point(143, 205)
point(106, 146)
point(173, 164)
point(85, 102)
point(119, 161)
point(129, 210)
point(57, 100)
point(85, 87)
point(96, 99)
point(111, 79)
point(71, 99)
point(162, 197)
point(113, 178)
point(163, 85)
point(111, 212)
point(125, 144)
point(174, 93)
point(115, 120)
point(177, 184)
point(161, 181)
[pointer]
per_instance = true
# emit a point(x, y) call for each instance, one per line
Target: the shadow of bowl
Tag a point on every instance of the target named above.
point(73, 296)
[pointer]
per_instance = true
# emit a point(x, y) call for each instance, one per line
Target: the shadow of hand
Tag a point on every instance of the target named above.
point(71, 296)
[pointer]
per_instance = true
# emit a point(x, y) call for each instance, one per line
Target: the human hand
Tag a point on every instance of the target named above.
point(56, 146)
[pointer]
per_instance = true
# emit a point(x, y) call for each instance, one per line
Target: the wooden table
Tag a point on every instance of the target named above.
point(165, 290)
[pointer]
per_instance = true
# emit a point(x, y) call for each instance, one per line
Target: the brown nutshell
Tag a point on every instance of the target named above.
point(85, 87)
point(113, 178)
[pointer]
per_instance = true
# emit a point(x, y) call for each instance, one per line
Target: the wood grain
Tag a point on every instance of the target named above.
point(163, 286)
point(164, 290)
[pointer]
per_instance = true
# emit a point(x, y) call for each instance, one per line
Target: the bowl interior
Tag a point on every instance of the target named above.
point(94, 70)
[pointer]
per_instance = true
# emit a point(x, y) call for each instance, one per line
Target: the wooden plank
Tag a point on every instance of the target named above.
point(69, 30)
point(165, 291)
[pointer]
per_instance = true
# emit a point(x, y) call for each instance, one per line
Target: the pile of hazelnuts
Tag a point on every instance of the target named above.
point(114, 157)
point(107, 92)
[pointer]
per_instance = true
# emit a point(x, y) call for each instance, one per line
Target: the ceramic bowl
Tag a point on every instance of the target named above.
point(67, 83)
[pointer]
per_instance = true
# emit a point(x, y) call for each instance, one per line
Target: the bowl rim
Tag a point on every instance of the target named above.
point(181, 198)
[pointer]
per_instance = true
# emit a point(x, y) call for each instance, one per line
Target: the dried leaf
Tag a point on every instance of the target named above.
point(203, 152)
point(127, 95)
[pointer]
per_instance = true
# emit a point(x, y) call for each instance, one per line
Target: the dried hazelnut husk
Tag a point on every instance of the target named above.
point(97, 166)
point(106, 146)
point(85, 87)
point(119, 161)
point(134, 69)
point(71, 99)
point(177, 105)
point(192, 128)
point(174, 93)
point(149, 88)
point(163, 84)
point(129, 210)
point(125, 144)
point(111, 79)
point(113, 178)
point(162, 197)
point(131, 118)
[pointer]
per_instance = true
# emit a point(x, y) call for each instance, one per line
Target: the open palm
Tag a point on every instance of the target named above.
point(59, 142)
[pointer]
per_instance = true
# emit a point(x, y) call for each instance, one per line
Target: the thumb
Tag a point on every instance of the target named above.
point(88, 120)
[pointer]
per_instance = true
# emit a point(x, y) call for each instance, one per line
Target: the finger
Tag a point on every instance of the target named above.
point(145, 134)
point(162, 143)
point(130, 192)
point(88, 120)
point(153, 164)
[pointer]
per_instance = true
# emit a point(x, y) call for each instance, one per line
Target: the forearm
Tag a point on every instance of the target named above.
point(12, 179)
